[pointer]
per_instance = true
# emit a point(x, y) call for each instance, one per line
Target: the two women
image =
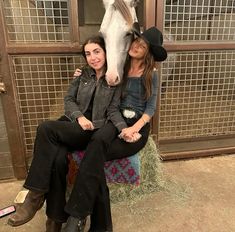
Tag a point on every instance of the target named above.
point(90, 101)
point(138, 103)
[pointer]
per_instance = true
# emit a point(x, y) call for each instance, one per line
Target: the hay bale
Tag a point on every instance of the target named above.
point(151, 177)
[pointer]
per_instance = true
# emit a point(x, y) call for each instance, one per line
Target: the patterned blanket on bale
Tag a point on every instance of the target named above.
point(126, 170)
point(151, 178)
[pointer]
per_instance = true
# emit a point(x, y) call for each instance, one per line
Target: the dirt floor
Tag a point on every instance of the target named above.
point(198, 196)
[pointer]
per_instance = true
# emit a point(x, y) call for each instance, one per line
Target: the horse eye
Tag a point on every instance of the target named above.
point(128, 34)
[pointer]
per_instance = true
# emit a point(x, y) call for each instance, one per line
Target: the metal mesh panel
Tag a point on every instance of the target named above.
point(202, 20)
point(41, 83)
point(197, 95)
point(37, 21)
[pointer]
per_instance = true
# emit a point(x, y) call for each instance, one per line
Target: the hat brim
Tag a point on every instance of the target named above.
point(159, 53)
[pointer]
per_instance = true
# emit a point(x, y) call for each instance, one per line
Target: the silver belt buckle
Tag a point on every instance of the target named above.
point(128, 113)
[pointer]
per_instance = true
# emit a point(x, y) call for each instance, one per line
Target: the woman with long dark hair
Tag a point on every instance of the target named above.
point(88, 103)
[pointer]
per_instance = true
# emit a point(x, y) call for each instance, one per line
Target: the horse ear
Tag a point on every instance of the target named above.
point(136, 29)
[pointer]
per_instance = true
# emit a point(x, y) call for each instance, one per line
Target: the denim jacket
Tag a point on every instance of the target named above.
point(106, 99)
point(134, 96)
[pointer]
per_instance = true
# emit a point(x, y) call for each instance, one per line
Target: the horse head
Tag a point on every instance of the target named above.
point(116, 29)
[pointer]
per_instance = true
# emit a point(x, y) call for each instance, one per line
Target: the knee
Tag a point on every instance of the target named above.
point(44, 127)
point(105, 135)
point(99, 138)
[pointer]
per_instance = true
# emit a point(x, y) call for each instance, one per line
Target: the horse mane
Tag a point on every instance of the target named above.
point(122, 7)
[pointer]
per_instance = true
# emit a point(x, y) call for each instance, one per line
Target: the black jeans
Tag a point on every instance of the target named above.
point(90, 181)
point(47, 173)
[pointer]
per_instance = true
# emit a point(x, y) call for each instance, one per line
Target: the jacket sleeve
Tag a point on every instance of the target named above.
point(113, 111)
point(71, 107)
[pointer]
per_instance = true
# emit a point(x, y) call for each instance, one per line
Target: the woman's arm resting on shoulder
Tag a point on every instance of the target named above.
point(77, 73)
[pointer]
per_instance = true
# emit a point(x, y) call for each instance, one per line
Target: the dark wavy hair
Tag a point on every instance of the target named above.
point(97, 39)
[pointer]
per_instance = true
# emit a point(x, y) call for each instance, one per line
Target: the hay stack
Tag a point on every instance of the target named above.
point(151, 177)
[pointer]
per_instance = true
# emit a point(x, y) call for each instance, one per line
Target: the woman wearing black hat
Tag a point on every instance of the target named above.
point(137, 105)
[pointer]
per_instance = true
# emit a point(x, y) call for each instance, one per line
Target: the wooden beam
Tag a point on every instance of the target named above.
point(199, 46)
point(74, 21)
point(197, 153)
point(10, 110)
point(150, 13)
point(159, 14)
point(43, 48)
point(196, 148)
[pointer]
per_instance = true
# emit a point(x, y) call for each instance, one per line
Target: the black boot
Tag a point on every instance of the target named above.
point(75, 225)
point(53, 226)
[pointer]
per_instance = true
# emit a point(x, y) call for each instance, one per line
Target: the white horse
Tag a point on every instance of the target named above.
point(116, 29)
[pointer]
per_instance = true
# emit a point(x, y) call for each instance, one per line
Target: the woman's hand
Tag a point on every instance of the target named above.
point(85, 123)
point(135, 137)
point(77, 73)
point(130, 135)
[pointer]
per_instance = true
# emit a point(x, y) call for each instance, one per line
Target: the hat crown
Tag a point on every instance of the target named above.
point(153, 36)
point(154, 39)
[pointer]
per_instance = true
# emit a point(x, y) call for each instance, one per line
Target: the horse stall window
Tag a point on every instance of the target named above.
point(197, 99)
point(39, 21)
point(91, 15)
point(200, 20)
point(41, 84)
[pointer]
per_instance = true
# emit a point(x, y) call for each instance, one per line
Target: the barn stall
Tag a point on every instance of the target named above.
point(196, 105)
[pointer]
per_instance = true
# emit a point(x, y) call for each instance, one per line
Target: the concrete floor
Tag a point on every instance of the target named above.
point(199, 196)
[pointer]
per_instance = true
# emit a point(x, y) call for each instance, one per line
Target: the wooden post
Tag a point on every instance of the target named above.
point(15, 135)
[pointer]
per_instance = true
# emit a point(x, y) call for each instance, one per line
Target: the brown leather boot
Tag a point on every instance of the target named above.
point(26, 211)
point(53, 226)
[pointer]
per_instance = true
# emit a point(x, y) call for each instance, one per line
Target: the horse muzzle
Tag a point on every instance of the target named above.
point(112, 80)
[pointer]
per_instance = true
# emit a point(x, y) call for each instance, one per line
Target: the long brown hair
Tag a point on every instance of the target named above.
point(147, 73)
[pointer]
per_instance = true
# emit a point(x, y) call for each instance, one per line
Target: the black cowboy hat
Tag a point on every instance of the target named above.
point(153, 37)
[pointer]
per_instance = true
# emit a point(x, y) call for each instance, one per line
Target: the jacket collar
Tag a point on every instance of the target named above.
point(91, 73)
